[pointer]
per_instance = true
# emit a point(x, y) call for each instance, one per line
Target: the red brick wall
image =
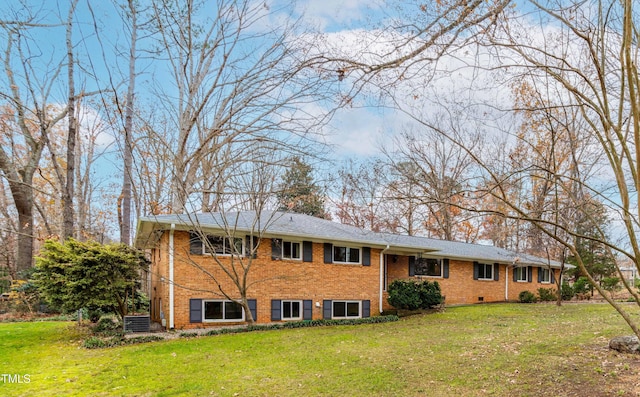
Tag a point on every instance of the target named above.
point(461, 288)
point(298, 280)
point(268, 279)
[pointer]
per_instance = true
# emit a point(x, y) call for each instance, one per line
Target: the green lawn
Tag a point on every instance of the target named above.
point(482, 350)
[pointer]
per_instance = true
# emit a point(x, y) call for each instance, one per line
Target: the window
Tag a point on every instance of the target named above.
point(223, 246)
point(485, 271)
point(222, 311)
point(521, 273)
point(428, 267)
point(545, 275)
point(291, 250)
point(346, 309)
point(292, 310)
point(346, 254)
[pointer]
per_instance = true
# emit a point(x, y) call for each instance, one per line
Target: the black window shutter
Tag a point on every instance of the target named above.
point(445, 268)
point(307, 251)
point(276, 249)
point(412, 266)
point(476, 270)
point(326, 309)
point(328, 253)
point(195, 243)
point(366, 308)
point(366, 256)
point(253, 308)
point(515, 275)
point(496, 271)
point(276, 307)
point(553, 276)
point(530, 273)
point(195, 310)
point(307, 310)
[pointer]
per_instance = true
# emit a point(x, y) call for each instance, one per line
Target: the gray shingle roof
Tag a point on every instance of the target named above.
point(284, 224)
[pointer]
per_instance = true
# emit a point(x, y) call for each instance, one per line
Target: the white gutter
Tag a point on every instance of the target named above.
point(171, 254)
point(382, 277)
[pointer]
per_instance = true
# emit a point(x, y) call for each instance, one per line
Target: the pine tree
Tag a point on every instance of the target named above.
point(299, 192)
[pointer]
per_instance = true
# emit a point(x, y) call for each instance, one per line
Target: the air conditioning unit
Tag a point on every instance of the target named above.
point(137, 323)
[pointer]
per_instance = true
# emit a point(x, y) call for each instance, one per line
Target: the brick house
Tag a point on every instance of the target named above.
point(304, 268)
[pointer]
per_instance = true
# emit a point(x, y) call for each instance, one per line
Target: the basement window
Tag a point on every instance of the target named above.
point(345, 309)
point(223, 310)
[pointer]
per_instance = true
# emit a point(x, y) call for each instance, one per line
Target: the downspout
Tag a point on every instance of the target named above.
point(171, 254)
point(382, 276)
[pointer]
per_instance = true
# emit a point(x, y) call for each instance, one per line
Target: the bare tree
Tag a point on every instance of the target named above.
point(26, 123)
point(440, 173)
point(237, 80)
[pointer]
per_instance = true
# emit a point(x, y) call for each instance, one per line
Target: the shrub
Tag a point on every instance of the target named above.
point(94, 342)
point(413, 295)
point(566, 290)
point(547, 294)
point(296, 324)
point(526, 297)
point(581, 286)
point(107, 325)
point(611, 284)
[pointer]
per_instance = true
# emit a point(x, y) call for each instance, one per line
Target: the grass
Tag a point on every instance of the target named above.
point(494, 350)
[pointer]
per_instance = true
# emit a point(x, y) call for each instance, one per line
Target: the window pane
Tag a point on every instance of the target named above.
point(216, 245)
point(433, 267)
point(286, 309)
point(485, 271)
point(354, 255)
point(237, 248)
point(546, 275)
point(481, 269)
point(213, 310)
point(295, 309)
point(339, 309)
point(353, 309)
point(286, 249)
point(232, 311)
point(295, 251)
point(339, 254)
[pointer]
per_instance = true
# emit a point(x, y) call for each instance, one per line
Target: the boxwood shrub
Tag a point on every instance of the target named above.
point(414, 295)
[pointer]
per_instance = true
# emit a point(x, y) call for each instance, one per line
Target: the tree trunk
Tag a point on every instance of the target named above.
point(67, 193)
point(23, 199)
point(125, 224)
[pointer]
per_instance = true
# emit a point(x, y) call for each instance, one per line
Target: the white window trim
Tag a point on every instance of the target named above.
point(348, 248)
point(441, 275)
point(548, 272)
point(205, 246)
point(283, 318)
point(346, 302)
point(492, 271)
point(235, 320)
point(525, 269)
point(291, 242)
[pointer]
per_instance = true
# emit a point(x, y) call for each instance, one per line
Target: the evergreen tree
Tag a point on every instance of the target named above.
point(299, 192)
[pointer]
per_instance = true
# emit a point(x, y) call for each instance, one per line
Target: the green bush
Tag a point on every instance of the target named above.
point(414, 295)
point(107, 326)
point(611, 284)
point(295, 324)
point(566, 290)
point(581, 286)
point(547, 294)
point(526, 297)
